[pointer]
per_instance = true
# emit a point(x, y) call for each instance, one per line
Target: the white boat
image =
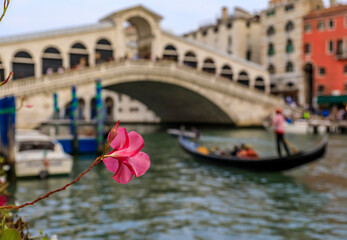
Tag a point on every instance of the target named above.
point(188, 134)
point(40, 155)
point(300, 126)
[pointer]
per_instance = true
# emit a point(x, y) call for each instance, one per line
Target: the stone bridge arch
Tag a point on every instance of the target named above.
point(174, 102)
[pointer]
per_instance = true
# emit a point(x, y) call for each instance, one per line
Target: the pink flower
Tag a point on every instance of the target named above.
point(126, 160)
point(3, 200)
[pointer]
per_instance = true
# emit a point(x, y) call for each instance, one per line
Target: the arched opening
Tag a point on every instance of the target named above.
point(2, 72)
point(270, 31)
point(190, 60)
point(51, 60)
point(290, 85)
point(308, 69)
point(138, 38)
point(79, 57)
point(227, 72)
point(93, 108)
point(289, 26)
point(23, 65)
point(209, 66)
point(259, 84)
point(243, 78)
point(103, 51)
point(289, 67)
point(80, 109)
point(170, 53)
point(271, 69)
point(109, 105)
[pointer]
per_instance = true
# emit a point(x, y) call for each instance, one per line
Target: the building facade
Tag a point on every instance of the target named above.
point(236, 34)
point(281, 45)
point(324, 52)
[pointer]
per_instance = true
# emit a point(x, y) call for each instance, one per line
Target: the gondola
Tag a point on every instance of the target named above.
point(268, 164)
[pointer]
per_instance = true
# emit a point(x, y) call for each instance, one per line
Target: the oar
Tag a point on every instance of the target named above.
point(291, 146)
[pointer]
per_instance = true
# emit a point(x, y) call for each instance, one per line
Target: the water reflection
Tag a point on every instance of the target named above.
point(181, 198)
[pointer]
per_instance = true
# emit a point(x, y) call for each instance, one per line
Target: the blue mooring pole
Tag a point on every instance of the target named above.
point(56, 113)
point(99, 116)
point(73, 118)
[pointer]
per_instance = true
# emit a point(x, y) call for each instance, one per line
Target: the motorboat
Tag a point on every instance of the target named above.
point(38, 155)
point(266, 164)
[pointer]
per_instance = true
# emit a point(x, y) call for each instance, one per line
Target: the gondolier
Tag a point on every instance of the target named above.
point(278, 123)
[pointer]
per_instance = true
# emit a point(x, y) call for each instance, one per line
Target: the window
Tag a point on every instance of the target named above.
point(289, 26)
point(271, 50)
point(331, 23)
point(308, 27)
point(307, 48)
point(321, 25)
point(229, 25)
point(270, 31)
point(339, 47)
point(248, 24)
point(272, 86)
point(290, 46)
point(271, 69)
point(345, 70)
point(216, 29)
point(289, 7)
point(204, 32)
point(321, 71)
point(248, 54)
point(330, 47)
point(270, 13)
point(320, 89)
point(289, 67)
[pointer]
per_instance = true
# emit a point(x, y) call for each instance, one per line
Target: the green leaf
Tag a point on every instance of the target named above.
point(3, 224)
point(10, 234)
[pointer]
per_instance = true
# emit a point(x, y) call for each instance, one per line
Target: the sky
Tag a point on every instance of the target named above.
point(179, 16)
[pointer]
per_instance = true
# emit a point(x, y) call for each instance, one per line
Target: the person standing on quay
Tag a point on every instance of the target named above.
point(278, 123)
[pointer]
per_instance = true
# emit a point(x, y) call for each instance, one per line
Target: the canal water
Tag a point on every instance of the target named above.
point(182, 198)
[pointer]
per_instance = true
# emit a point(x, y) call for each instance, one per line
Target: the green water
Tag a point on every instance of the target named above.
point(181, 198)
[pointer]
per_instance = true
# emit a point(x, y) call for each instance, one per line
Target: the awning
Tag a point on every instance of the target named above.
point(332, 99)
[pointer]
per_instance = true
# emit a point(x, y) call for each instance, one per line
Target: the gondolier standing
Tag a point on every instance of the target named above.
point(278, 123)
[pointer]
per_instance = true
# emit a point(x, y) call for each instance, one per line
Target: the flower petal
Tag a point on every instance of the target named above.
point(139, 163)
point(136, 143)
point(123, 175)
point(111, 164)
point(121, 140)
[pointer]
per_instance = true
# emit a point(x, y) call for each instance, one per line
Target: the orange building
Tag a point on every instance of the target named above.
point(325, 55)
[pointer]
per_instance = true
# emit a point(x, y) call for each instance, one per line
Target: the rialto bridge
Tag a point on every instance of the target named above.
point(178, 79)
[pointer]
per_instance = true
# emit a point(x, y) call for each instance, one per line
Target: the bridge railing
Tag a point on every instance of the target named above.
point(51, 83)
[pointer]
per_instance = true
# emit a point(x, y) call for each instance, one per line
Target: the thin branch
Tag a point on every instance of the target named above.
point(6, 3)
point(7, 79)
point(96, 162)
